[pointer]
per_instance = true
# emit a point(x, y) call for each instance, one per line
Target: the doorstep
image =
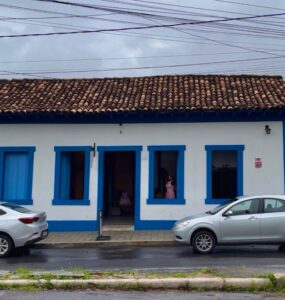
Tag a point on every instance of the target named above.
point(108, 228)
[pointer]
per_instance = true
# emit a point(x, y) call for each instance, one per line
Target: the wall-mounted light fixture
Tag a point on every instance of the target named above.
point(121, 128)
point(267, 129)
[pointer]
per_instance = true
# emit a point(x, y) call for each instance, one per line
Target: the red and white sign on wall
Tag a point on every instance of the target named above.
point(258, 162)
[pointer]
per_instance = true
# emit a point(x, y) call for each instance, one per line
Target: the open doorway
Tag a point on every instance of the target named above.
point(119, 188)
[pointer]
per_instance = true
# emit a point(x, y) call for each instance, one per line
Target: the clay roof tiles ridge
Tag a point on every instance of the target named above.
point(135, 94)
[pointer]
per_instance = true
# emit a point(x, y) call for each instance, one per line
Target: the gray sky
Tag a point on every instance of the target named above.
point(253, 46)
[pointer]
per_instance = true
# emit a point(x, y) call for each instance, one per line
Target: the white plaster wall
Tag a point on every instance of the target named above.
point(269, 179)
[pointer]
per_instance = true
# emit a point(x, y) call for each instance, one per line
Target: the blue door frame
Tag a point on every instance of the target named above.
point(137, 149)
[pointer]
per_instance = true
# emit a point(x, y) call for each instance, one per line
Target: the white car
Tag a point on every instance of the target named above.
point(20, 226)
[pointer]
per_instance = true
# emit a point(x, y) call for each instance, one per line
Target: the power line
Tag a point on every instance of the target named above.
point(119, 10)
point(184, 7)
point(152, 67)
point(137, 27)
point(3, 18)
point(220, 42)
point(172, 11)
point(122, 58)
point(246, 4)
point(233, 27)
point(21, 73)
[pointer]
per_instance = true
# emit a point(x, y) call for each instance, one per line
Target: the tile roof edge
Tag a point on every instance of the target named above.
point(151, 76)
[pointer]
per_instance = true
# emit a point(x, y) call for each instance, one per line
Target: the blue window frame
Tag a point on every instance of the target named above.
point(224, 173)
point(166, 174)
point(72, 172)
point(16, 174)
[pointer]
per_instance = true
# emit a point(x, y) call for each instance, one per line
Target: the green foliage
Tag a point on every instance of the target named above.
point(23, 273)
point(80, 271)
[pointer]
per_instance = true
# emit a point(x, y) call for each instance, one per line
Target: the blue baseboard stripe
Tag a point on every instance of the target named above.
point(83, 225)
point(72, 225)
point(154, 225)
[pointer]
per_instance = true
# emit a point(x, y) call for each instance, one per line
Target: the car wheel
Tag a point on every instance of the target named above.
point(6, 245)
point(203, 242)
point(282, 248)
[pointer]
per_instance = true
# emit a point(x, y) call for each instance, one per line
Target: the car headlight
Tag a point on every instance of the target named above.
point(182, 224)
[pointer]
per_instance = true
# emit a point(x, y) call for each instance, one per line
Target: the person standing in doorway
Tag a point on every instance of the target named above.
point(125, 203)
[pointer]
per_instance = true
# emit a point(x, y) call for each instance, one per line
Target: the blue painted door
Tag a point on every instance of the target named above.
point(65, 175)
point(16, 170)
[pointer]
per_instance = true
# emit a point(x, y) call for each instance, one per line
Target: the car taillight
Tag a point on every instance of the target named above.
point(29, 220)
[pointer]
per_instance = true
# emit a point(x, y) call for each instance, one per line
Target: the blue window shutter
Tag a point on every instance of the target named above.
point(65, 175)
point(16, 175)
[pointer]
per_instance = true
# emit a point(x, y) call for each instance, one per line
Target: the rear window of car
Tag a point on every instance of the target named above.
point(15, 207)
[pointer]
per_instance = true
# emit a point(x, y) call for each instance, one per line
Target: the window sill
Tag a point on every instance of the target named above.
point(71, 202)
point(217, 201)
point(163, 201)
point(20, 201)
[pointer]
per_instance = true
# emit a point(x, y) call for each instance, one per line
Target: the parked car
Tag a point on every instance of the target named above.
point(248, 220)
point(20, 226)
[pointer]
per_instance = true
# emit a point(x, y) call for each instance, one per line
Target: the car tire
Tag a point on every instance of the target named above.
point(6, 245)
point(203, 242)
point(282, 248)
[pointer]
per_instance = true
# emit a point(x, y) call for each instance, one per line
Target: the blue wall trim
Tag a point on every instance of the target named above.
point(72, 225)
point(224, 147)
point(155, 225)
point(119, 148)
point(180, 175)
point(101, 150)
point(209, 149)
point(30, 150)
point(167, 148)
point(72, 148)
point(57, 200)
point(234, 115)
point(163, 201)
point(284, 154)
point(18, 149)
point(91, 225)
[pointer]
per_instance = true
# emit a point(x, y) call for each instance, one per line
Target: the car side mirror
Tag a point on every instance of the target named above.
point(228, 213)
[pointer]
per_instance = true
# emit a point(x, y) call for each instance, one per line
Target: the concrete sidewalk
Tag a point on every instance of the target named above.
point(155, 237)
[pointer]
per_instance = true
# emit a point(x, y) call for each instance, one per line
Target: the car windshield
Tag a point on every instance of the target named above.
point(15, 207)
point(220, 207)
point(217, 209)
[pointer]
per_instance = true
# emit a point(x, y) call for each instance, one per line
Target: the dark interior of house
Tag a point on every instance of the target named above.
point(119, 191)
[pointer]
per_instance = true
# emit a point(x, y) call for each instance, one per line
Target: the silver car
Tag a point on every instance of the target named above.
point(19, 227)
point(248, 220)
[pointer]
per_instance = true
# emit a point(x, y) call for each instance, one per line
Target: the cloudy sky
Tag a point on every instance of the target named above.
point(229, 37)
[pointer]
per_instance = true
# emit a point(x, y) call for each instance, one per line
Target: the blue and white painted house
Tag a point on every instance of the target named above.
point(146, 150)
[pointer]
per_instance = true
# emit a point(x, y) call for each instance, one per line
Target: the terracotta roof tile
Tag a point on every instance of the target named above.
point(156, 93)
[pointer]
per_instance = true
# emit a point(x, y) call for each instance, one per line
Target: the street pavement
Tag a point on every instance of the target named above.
point(234, 261)
point(124, 295)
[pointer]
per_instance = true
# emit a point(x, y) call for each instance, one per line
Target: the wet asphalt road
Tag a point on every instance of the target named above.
point(158, 295)
point(163, 259)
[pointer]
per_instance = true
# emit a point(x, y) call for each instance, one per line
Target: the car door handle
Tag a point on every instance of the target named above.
point(252, 218)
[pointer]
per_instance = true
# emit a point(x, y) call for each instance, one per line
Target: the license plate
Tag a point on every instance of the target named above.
point(44, 233)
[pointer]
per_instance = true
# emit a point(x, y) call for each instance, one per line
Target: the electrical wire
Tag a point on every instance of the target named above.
point(152, 67)
point(135, 28)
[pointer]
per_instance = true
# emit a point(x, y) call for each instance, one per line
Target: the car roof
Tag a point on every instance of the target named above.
point(261, 196)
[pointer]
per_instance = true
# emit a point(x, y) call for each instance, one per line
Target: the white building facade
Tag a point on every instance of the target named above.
point(261, 167)
point(144, 171)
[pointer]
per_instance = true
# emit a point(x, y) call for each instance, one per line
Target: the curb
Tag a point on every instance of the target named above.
point(280, 279)
point(162, 283)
